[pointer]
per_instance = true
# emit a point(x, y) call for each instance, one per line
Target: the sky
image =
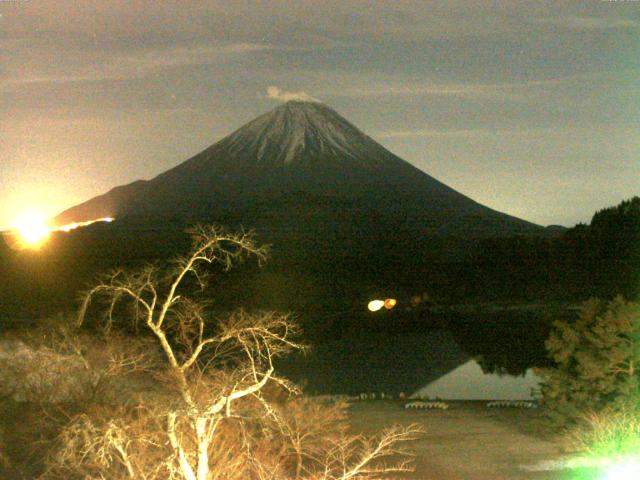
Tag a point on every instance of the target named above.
point(529, 107)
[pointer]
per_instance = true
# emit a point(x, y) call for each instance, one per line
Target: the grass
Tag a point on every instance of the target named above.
point(609, 434)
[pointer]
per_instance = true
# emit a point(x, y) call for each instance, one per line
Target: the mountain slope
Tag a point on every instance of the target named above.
point(298, 150)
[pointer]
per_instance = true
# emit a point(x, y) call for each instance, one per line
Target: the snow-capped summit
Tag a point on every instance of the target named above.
point(300, 132)
point(296, 134)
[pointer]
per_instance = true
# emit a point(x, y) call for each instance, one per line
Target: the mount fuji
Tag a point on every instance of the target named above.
point(302, 157)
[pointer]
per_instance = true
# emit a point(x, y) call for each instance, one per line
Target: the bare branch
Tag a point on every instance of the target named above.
point(219, 412)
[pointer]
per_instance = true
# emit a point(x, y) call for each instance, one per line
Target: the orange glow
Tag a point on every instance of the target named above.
point(32, 229)
point(389, 303)
point(375, 305)
point(74, 225)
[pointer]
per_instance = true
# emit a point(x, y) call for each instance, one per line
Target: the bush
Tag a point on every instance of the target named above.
point(608, 434)
point(596, 360)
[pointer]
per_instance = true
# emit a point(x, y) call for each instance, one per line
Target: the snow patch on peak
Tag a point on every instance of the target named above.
point(300, 132)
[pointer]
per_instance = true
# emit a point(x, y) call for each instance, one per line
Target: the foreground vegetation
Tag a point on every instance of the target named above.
point(196, 399)
point(596, 361)
point(155, 387)
point(593, 391)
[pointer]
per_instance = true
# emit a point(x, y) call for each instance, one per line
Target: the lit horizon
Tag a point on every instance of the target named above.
point(31, 230)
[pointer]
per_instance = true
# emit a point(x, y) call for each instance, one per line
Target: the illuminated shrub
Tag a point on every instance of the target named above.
point(596, 360)
point(608, 434)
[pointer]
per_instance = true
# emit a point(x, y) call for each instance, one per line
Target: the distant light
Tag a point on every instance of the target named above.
point(389, 303)
point(375, 305)
point(72, 226)
point(31, 229)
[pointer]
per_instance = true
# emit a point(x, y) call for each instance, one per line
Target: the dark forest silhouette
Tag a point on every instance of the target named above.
point(599, 259)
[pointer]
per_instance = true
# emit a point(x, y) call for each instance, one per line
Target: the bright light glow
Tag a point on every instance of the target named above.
point(389, 303)
point(375, 305)
point(615, 467)
point(74, 225)
point(628, 469)
point(32, 229)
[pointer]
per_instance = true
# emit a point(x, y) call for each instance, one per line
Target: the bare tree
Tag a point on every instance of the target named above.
point(218, 372)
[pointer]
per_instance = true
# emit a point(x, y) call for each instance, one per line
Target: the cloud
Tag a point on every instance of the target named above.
point(512, 90)
point(575, 22)
point(430, 89)
point(415, 133)
point(83, 65)
point(192, 55)
point(468, 132)
point(275, 93)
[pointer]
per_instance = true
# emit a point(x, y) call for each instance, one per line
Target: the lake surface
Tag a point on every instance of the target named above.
point(472, 358)
point(487, 356)
point(469, 382)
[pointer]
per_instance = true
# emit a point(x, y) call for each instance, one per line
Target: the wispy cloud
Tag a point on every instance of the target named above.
point(276, 93)
point(467, 132)
point(509, 90)
point(431, 89)
point(202, 54)
point(575, 22)
point(80, 66)
point(559, 132)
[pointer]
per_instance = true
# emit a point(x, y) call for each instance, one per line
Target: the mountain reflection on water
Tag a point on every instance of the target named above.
point(470, 382)
point(367, 360)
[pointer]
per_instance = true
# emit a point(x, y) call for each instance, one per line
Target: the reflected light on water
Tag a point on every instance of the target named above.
point(375, 305)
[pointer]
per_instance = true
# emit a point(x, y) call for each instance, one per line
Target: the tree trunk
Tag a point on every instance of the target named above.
point(185, 467)
point(203, 448)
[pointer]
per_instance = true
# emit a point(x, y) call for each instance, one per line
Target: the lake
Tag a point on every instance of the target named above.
point(455, 357)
